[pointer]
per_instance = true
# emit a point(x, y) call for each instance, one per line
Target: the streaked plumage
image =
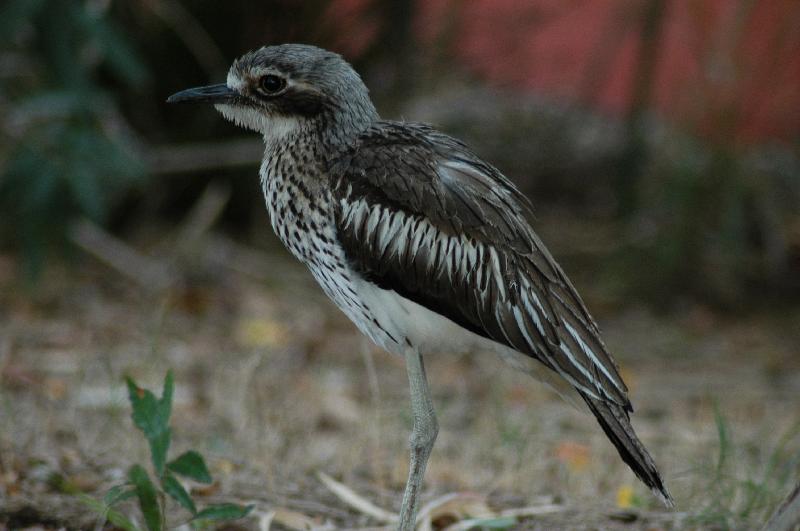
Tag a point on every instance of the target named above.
point(422, 244)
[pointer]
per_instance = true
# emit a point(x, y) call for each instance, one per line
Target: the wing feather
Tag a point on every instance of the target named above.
point(418, 213)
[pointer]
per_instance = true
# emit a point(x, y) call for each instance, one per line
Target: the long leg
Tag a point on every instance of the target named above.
point(423, 436)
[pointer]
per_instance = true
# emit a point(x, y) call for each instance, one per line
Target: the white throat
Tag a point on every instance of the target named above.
point(274, 129)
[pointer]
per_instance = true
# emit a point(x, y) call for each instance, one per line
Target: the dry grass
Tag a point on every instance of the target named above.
point(274, 385)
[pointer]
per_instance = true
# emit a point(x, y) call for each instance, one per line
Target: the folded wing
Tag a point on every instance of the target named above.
point(419, 214)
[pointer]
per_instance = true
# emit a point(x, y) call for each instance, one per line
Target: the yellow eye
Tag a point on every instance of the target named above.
point(271, 84)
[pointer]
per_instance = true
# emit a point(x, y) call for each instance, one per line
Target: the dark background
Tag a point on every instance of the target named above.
point(675, 125)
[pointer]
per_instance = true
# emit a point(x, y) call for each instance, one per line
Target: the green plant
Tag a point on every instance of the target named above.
point(65, 149)
point(740, 494)
point(151, 416)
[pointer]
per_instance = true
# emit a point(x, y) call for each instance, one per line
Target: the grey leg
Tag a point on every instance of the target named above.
point(422, 438)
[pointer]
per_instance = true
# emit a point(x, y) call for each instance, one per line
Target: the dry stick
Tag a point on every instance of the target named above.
point(204, 156)
point(375, 395)
point(5, 348)
point(361, 504)
point(787, 517)
point(145, 271)
point(202, 217)
point(313, 506)
point(251, 261)
point(536, 510)
point(351, 498)
point(276, 499)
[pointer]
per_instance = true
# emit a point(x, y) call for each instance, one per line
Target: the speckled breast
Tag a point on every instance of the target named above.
point(300, 211)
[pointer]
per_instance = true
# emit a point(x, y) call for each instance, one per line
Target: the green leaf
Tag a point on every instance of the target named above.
point(116, 49)
point(61, 483)
point(223, 511)
point(724, 439)
point(166, 395)
point(15, 15)
point(146, 411)
point(152, 417)
point(177, 492)
point(191, 465)
point(148, 497)
point(104, 511)
point(118, 494)
point(159, 446)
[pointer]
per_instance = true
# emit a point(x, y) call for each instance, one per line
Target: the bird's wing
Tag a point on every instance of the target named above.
point(418, 213)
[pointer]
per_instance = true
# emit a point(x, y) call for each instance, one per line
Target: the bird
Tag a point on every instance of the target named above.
point(423, 245)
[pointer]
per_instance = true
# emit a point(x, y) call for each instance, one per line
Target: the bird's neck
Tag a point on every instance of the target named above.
point(296, 152)
point(337, 130)
point(315, 143)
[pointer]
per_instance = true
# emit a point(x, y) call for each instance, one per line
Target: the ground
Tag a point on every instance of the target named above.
point(274, 386)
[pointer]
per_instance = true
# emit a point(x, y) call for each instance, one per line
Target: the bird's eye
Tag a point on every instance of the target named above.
point(272, 84)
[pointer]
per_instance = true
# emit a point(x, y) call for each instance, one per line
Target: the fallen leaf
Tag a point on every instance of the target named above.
point(451, 508)
point(261, 333)
point(55, 388)
point(625, 497)
point(205, 490)
point(224, 466)
point(290, 520)
point(574, 455)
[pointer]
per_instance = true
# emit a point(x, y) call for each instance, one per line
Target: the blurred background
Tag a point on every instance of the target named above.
point(673, 125)
point(659, 141)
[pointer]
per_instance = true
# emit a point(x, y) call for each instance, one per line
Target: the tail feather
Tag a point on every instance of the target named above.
point(616, 423)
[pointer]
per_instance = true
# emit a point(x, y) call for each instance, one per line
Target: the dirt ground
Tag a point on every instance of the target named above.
point(274, 386)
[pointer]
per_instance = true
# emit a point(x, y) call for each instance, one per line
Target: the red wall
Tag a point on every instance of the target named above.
point(727, 69)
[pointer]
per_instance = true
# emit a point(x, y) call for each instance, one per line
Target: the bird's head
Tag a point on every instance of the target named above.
point(277, 90)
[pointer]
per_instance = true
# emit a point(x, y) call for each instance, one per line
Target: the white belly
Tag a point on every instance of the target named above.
point(430, 333)
point(414, 325)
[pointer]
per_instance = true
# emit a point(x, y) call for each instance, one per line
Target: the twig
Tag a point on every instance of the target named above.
point(375, 396)
point(347, 495)
point(787, 517)
point(203, 215)
point(5, 348)
point(535, 510)
point(146, 271)
point(204, 156)
point(313, 506)
point(251, 261)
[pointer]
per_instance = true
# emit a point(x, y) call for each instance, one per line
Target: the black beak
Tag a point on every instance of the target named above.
point(210, 94)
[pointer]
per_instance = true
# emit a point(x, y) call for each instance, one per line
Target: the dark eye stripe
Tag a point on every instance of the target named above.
point(294, 102)
point(290, 100)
